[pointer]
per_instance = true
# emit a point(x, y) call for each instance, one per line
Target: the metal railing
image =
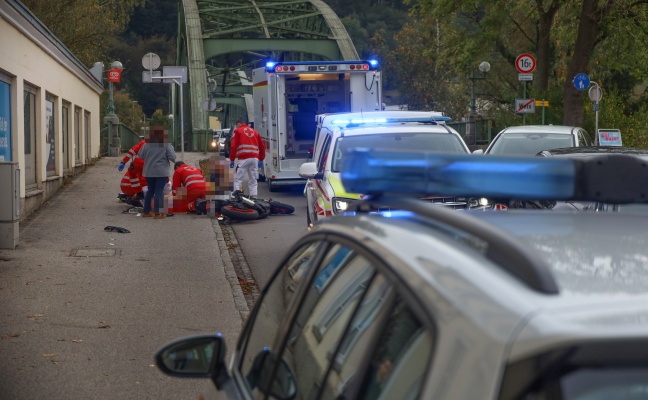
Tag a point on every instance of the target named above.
point(129, 138)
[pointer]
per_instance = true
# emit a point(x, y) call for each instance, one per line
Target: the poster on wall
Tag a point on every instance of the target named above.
point(5, 121)
point(49, 123)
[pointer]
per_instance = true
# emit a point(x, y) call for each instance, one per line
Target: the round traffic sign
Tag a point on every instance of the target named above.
point(151, 61)
point(595, 93)
point(581, 81)
point(525, 63)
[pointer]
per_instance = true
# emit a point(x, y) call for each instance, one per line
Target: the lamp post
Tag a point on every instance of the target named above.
point(471, 127)
point(112, 120)
point(172, 123)
point(484, 67)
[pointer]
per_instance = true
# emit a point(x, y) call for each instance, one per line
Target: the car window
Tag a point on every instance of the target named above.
point(586, 371)
point(583, 138)
point(271, 308)
point(437, 142)
point(527, 144)
point(401, 357)
point(323, 155)
point(323, 316)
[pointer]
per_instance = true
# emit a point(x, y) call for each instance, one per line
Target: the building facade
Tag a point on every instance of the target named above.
point(49, 107)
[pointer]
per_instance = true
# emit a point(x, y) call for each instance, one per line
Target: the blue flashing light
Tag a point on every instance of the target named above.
point(373, 63)
point(425, 173)
point(270, 66)
point(358, 121)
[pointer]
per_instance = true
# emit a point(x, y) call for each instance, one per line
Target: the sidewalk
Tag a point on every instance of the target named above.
point(84, 310)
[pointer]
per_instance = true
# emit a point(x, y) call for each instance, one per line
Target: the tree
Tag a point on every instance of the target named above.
point(566, 36)
point(86, 27)
point(159, 119)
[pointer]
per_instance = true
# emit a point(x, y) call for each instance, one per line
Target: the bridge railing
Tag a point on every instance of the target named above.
point(128, 137)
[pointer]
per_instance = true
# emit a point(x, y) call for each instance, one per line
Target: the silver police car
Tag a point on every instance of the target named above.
point(402, 299)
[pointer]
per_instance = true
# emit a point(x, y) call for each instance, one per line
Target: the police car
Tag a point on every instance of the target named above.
point(398, 130)
point(400, 299)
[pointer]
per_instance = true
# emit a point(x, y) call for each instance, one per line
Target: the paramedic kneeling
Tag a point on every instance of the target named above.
point(248, 148)
point(188, 185)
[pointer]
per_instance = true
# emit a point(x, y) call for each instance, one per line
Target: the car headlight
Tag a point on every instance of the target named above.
point(213, 143)
point(341, 204)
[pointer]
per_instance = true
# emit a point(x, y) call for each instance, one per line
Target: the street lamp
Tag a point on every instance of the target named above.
point(113, 76)
point(112, 120)
point(172, 123)
point(484, 67)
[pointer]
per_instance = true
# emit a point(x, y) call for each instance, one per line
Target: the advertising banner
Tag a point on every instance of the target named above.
point(5, 121)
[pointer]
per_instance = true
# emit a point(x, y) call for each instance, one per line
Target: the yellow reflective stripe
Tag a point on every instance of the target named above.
point(338, 188)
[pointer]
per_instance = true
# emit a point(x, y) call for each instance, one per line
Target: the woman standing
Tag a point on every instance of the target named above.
point(157, 154)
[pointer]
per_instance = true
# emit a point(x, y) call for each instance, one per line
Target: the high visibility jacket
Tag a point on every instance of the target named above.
point(133, 151)
point(247, 143)
point(130, 184)
point(189, 177)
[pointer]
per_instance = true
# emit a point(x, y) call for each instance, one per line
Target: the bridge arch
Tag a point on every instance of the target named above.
point(224, 41)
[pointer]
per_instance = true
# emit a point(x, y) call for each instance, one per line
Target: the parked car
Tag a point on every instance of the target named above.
point(398, 130)
point(220, 141)
point(530, 139)
point(591, 151)
point(402, 299)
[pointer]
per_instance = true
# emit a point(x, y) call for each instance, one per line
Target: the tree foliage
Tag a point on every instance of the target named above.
point(603, 38)
point(86, 27)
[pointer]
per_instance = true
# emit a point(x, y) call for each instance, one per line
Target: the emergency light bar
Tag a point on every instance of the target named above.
point(617, 179)
point(321, 66)
point(357, 121)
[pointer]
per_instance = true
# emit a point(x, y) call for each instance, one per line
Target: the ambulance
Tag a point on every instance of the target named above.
point(393, 130)
point(287, 97)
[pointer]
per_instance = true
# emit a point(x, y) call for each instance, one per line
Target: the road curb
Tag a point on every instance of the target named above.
point(240, 300)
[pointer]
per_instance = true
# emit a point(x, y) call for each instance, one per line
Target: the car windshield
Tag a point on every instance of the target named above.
point(438, 142)
point(529, 144)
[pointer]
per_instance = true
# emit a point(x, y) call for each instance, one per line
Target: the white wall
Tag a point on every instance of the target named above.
point(29, 54)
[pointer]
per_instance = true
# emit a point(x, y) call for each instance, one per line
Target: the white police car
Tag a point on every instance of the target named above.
point(402, 299)
point(396, 130)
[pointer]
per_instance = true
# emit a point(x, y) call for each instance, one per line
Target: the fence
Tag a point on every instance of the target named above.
point(129, 138)
point(475, 133)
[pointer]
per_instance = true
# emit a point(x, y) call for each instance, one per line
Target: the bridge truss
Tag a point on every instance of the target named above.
point(221, 41)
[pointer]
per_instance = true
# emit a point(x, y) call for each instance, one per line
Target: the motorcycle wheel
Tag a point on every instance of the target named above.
point(280, 208)
point(242, 214)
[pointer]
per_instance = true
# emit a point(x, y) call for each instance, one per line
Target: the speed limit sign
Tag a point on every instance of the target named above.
point(525, 63)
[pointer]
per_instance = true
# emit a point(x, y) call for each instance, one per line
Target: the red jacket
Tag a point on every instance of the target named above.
point(189, 177)
point(133, 151)
point(247, 143)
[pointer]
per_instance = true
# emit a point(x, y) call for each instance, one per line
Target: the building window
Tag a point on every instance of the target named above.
point(50, 135)
point(65, 124)
point(29, 107)
point(86, 131)
point(77, 136)
point(5, 118)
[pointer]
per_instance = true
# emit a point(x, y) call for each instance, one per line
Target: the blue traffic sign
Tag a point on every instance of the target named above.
point(581, 81)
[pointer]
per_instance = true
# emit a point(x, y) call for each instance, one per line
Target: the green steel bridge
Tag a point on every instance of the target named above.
point(221, 41)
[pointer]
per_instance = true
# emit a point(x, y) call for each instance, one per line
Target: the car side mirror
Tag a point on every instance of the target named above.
point(478, 151)
point(199, 356)
point(309, 171)
point(272, 376)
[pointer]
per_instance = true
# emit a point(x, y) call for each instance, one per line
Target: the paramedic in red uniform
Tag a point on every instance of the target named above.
point(187, 186)
point(134, 172)
point(248, 148)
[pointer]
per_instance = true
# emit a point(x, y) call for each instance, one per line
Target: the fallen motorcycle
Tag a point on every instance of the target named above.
point(241, 208)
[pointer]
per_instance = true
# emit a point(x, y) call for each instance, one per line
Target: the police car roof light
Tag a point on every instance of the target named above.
point(357, 121)
point(525, 178)
point(377, 171)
